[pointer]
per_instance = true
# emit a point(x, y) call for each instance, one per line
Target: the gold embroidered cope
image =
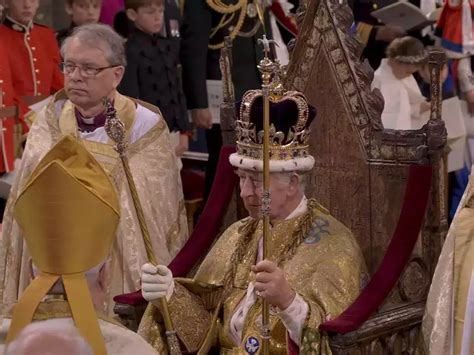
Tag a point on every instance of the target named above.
point(319, 255)
point(158, 182)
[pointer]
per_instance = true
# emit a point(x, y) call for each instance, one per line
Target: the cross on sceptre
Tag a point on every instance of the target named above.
point(266, 44)
point(266, 65)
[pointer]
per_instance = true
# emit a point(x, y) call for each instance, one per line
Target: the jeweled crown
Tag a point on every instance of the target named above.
point(290, 117)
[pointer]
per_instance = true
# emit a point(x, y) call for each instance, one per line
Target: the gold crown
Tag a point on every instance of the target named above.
point(283, 145)
point(289, 115)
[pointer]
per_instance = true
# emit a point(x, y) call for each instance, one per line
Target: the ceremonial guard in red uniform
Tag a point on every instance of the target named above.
point(33, 54)
point(8, 100)
point(34, 58)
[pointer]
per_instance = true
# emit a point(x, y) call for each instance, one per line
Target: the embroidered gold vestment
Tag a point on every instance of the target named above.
point(322, 262)
point(449, 316)
point(153, 165)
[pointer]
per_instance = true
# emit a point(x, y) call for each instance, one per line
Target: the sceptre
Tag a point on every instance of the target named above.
point(266, 68)
point(116, 131)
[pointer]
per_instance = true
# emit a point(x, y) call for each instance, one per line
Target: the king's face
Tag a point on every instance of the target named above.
point(251, 192)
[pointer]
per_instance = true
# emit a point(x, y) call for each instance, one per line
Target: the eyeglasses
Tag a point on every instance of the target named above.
point(85, 71)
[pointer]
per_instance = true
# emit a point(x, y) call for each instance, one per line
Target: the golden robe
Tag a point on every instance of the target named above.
point(448, 323)
point(153, 165)
point(322, 262)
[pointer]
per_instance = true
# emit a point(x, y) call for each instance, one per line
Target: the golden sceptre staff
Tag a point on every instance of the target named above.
point(266, 68)
point(116, 131)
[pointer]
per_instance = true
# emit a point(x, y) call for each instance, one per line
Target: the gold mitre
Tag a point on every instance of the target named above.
point(290, 117)
point(68, 212)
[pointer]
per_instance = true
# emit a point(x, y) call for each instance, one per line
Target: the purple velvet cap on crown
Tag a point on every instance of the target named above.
point(283, 114)
point(290, 118)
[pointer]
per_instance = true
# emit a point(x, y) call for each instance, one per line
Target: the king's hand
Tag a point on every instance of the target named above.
point(157, 282)
point(271, 284)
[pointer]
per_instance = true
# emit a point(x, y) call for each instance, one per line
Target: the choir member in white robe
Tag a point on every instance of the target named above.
point(404, 102)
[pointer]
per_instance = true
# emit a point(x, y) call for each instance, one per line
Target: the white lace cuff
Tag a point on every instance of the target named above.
point(294, 317)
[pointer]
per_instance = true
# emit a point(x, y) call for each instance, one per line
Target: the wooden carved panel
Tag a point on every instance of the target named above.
point(361, 169)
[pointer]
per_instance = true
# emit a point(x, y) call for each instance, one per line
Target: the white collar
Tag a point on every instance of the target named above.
point(17, 26)
point(300, 209)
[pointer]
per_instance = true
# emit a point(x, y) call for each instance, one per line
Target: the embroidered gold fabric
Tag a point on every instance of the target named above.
point(322, 261)
point(57, 307)
point(158, 182)
point(443, 321)
point(182, 305)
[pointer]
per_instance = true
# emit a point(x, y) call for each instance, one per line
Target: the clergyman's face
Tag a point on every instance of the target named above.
point(22, 11)
point(87, 91)
point(251, 191)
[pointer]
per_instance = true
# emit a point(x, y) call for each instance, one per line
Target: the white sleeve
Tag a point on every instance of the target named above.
point(294, 318)
point(465, 74)
point(376, 83)
point(144, 121)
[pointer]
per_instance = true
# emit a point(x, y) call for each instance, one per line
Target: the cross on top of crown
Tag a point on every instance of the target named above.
point(266, 44)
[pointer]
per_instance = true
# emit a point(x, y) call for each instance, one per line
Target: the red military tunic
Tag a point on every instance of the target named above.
point(8, 100)
point(34, 58)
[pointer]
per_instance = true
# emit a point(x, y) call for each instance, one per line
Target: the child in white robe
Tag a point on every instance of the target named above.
point(404, 102)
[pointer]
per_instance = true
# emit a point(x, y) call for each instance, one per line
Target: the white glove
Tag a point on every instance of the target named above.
point(157, 282)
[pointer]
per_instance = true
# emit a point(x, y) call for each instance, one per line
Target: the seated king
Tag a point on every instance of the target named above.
point(314, 266)
point(94, 61)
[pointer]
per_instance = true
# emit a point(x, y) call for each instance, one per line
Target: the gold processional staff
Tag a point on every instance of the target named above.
point(116, 131)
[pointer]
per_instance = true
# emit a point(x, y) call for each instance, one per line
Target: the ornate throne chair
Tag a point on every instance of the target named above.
point(387, 186)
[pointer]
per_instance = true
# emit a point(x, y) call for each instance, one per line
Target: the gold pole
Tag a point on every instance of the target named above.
point(266, 68)
point(116, 131)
